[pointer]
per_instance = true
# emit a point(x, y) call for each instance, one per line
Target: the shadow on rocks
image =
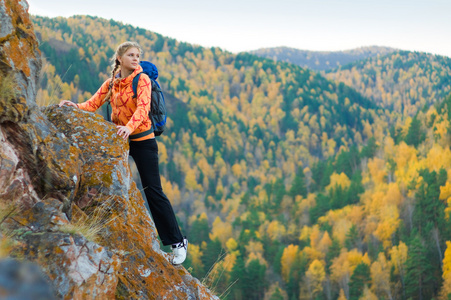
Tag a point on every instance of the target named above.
point(23, 281)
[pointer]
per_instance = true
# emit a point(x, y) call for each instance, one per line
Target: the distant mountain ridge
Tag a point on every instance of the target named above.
point(321, 60)
point(402, 81)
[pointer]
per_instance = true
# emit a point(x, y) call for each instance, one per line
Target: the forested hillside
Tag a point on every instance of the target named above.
point(321, 60)
point(288, 185)
point(404, 82)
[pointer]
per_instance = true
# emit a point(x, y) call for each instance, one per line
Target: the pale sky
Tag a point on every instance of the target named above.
point(243, 25)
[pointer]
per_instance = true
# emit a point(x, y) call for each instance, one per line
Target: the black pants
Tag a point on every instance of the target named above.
point(145, 155)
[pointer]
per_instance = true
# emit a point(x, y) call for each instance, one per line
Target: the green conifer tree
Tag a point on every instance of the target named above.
point(360, 278)
point(415, 134)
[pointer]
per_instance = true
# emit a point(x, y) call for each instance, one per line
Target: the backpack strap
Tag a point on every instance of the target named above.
point(108, 111)
point(141, 134)
point(135, 85)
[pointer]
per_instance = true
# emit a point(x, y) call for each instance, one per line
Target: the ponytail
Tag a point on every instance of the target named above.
point(113, 75)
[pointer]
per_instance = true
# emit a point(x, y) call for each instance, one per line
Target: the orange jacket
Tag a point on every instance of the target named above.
point(126, 110)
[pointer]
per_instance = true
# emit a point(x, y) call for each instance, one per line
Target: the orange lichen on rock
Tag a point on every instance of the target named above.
point(21, 41)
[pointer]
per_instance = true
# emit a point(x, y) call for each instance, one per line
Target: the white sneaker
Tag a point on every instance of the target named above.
point(179, 251)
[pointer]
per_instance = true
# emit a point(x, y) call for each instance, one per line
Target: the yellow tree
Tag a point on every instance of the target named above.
point(377, 170)
point(319, 243)
point(445, 292)
point(325, 243)
point(445, 195)
point(380, 274)
point(342, 295)
point(196, 259)
point(254, 251)
point(438, 157)
point(287, 260)
point(368, 294)
point(221, 231)
point(190, 180)
point(315, 277)
point(343, 266)
point(398, 255)
point(315, 236)
point(276, 230)
point(387, 225)
point(171, 190)
point(405, 158)
point(338, 180)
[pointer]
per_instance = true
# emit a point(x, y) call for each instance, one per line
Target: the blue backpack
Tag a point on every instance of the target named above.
point(157, 113)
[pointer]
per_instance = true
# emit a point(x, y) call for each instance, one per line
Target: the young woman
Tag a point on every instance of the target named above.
point(131, 116)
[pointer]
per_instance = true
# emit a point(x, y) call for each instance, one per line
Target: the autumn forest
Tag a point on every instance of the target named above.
point(290, 183)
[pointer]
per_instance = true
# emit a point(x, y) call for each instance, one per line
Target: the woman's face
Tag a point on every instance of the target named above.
point(130, 60)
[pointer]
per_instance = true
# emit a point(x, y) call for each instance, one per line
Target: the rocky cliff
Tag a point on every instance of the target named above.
point(70, 212)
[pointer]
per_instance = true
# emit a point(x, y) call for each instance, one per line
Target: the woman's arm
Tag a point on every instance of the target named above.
point(94, 102)
point(97, 100)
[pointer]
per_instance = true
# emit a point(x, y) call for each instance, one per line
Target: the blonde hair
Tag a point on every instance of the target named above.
point(115, 64)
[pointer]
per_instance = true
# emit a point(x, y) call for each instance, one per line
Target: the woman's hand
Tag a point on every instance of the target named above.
point(123, 131)
point(67, 102)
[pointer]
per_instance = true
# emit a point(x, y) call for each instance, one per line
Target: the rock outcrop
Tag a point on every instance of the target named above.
point(68, 203)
